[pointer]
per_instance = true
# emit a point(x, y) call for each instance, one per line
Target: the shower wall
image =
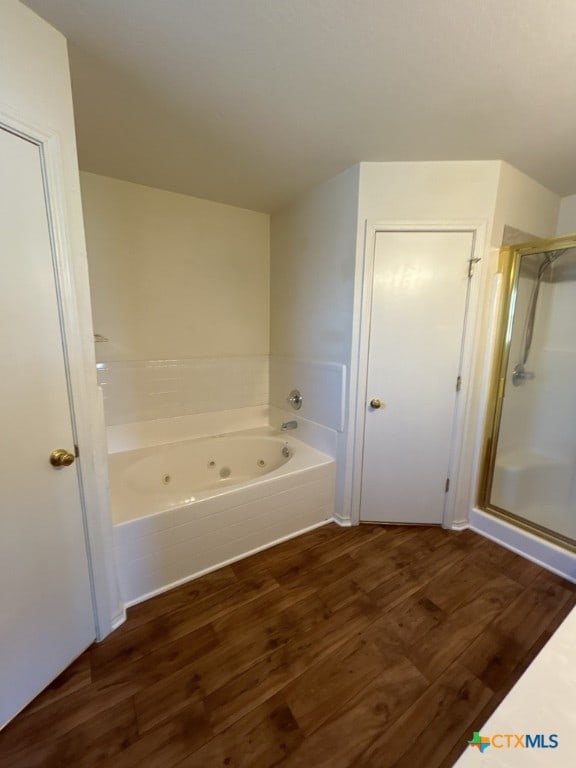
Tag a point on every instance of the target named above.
point(555, 420)
point(517, 427)
point(180, 290)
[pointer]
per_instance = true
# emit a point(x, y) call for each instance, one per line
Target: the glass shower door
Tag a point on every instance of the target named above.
point(531, 462)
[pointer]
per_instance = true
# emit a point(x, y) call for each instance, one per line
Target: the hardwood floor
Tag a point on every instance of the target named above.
point(368, 646)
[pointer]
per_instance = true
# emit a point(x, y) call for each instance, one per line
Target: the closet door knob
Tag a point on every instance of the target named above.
point(60, 457)
point(376, 403)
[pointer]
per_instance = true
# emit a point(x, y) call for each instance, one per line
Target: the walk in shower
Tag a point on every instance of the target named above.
point(529, 473)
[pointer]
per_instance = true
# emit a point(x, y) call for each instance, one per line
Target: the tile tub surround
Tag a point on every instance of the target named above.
point(159, 551)
point(323, 388)
point(144, 434)
point(156, 389)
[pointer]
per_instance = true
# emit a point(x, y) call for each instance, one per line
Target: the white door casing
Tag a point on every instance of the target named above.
point(417, 291)
point(46, 605)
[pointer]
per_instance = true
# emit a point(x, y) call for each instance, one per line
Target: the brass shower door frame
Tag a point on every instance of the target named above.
point(509, 268)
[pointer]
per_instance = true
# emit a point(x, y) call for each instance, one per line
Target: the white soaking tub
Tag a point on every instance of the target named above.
point(186, 508)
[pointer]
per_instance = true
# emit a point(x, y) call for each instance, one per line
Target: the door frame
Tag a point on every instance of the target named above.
point(463, 449)
point(86, 406)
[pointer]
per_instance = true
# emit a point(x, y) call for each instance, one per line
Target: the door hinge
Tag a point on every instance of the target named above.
point(447, 488)
point(76, 451)
point(458, 383)
point(471, 263)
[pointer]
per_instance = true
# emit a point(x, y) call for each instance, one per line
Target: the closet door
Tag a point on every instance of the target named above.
point(419, 299)
point(45, 600)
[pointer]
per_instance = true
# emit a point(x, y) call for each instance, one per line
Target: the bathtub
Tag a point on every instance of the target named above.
point(183, 509)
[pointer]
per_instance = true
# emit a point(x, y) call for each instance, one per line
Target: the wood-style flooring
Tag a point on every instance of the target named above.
point(368, 646)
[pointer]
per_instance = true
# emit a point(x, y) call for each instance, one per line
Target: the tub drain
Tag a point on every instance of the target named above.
point(225, 472)
point(261, 463)
point(166, 479)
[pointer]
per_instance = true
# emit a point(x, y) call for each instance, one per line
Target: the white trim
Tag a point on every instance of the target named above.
point(463, 448)
point(343, 522)
point(86, 416)
point(486, 339)
point(554, 558)
point(463, 525)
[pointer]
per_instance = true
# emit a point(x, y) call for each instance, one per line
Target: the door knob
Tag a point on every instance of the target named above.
point(376, 403)
point(61, 458)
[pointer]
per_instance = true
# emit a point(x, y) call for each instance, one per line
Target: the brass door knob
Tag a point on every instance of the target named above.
point(60, 457)
point(376, 403)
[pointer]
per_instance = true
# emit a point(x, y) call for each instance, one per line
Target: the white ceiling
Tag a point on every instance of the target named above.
point(249, 102)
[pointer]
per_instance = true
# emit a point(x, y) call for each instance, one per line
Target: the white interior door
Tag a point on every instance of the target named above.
point(46, 614)
point(420, 290)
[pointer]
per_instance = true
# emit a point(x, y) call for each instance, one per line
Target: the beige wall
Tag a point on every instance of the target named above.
point(523, 204)
point(312, 300)
point(172, 276)
point(312, 285)
point(567, 216)
point(427, 191)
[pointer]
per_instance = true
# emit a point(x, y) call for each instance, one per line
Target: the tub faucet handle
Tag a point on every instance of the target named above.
point(295, 399)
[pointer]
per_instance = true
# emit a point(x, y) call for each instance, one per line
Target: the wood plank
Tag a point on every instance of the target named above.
point(243, 646)
point(320, 575)
point(167, 745)
point(378, 645)
point(445, 640)
point(489, 556)
point(91, 742)
point(52, 722)
point(451, 588)
point(146, 639)
point(259, 740)
point(325, 688)
point(409, 580)
point(495, 654)
point(166, 698)
point(78, 675)
point(237, 694)
point(148, 669)
point(201, 589)
point(429, 728)
point(341, 741)
point(294, 557)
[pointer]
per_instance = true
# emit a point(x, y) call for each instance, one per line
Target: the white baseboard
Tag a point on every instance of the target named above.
point(343, 522)
point(119, 619)
point(459, 525)
point(550, 556)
